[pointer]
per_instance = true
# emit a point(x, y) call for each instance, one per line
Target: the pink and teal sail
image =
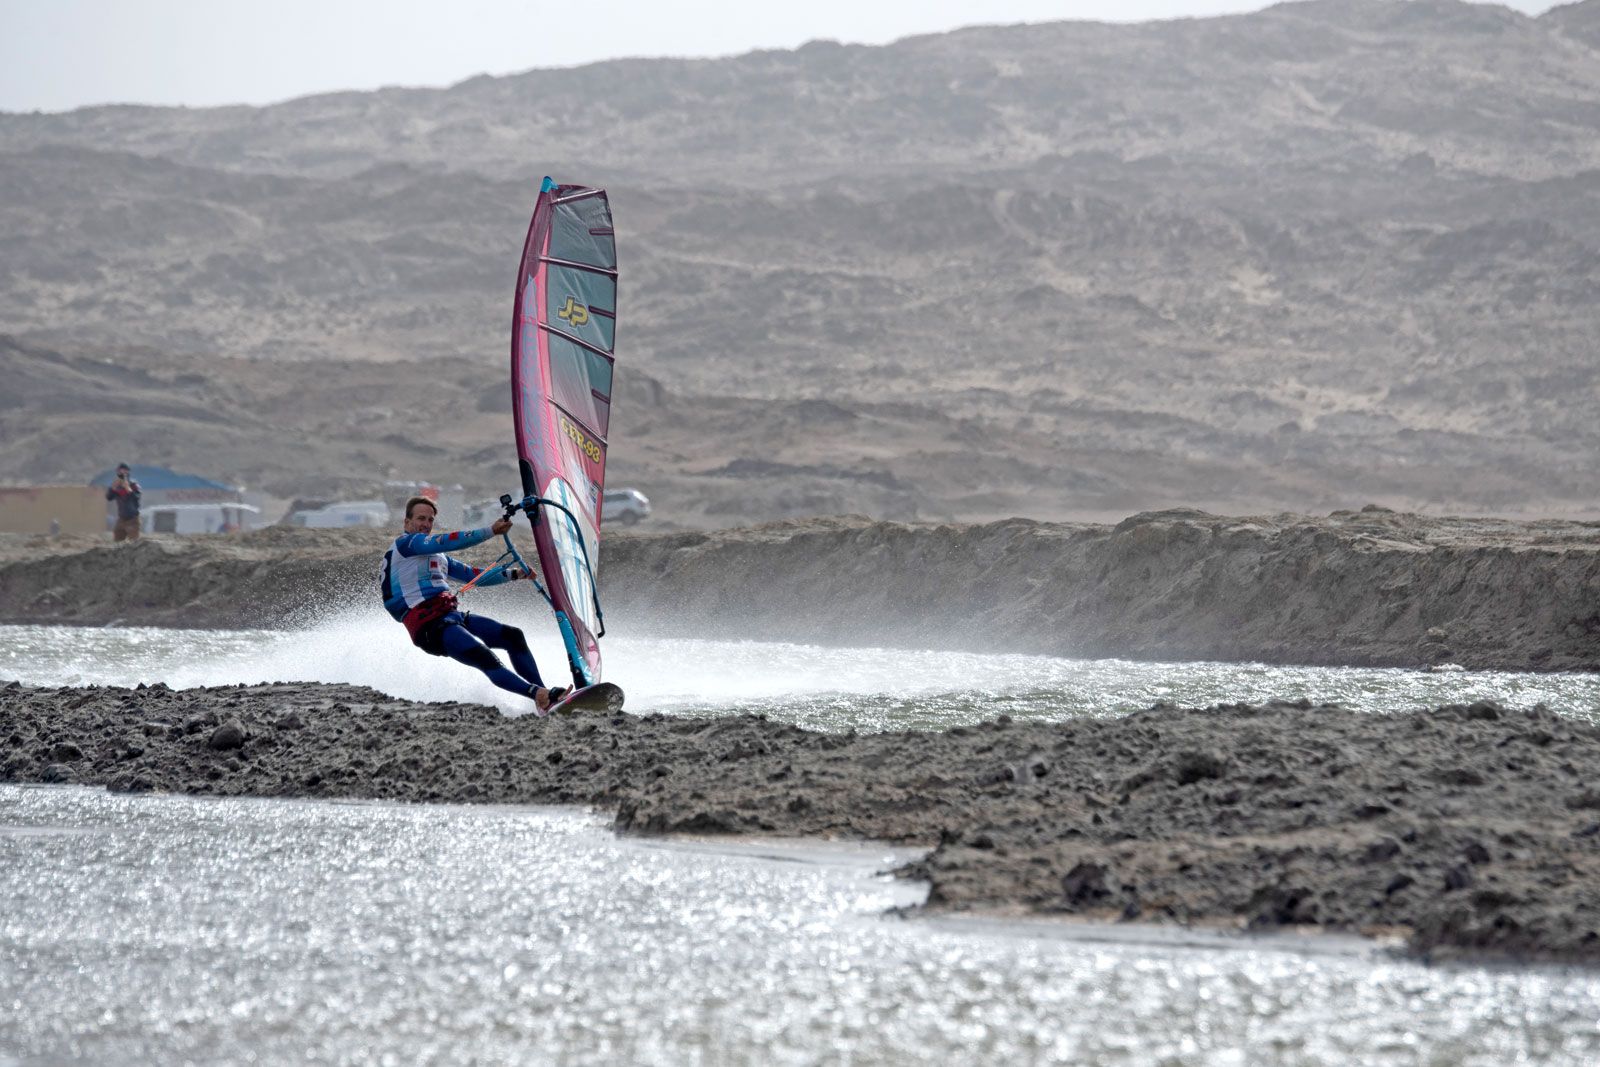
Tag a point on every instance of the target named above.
point(562, 342)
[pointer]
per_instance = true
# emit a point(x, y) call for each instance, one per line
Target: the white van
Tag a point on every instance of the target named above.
point(343, 513)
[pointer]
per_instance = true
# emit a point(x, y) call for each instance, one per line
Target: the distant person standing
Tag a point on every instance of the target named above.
point(125, 491)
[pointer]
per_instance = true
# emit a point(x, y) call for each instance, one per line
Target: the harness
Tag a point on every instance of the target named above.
point(427, 621)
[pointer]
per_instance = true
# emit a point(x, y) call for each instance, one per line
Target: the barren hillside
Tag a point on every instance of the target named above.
point(1329, 253)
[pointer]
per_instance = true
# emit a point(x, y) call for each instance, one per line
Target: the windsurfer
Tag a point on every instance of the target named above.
point(415, 582)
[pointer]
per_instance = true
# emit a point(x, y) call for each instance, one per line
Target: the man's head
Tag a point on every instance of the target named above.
point(122, 471)
point(420, 513)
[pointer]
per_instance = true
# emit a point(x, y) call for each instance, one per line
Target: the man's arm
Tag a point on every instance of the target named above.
point(463, 572)
point(458, 571)
point(428, 544)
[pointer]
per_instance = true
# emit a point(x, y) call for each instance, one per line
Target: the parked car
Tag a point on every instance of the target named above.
point(480, 513)
point(344, 513)
point(626, 506)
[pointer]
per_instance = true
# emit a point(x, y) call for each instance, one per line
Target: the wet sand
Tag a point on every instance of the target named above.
point(1466, 829)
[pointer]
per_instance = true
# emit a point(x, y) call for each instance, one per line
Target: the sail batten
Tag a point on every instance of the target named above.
point(591, 268)
point(599, 437)
point(564, 335)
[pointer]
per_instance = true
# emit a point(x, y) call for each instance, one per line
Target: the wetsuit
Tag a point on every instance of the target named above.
point(416, 592)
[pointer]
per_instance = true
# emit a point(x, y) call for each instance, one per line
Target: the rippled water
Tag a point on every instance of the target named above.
point(829, 688)
point(173, 929)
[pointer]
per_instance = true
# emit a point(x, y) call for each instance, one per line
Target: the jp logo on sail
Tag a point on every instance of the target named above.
point(575, 313)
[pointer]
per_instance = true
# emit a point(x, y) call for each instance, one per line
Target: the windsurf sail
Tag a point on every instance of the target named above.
point(563, 337)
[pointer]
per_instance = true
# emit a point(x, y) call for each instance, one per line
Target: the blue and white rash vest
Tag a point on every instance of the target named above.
point(415, 567)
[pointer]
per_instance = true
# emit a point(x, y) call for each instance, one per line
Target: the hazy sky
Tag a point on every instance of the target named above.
point(59, 54)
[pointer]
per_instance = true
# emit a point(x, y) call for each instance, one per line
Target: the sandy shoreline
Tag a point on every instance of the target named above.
point(1470, 829)
point(1355, 588)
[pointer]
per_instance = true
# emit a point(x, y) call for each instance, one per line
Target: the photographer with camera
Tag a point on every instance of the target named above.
point(125, 491)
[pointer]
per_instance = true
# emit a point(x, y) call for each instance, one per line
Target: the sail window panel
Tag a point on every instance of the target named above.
point(581, 232)
point(582, 303)
point(580, 381)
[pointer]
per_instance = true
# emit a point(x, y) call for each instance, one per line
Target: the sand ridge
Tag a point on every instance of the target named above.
point(1371, 587)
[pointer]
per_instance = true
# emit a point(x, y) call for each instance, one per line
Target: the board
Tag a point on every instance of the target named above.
point(602, 696)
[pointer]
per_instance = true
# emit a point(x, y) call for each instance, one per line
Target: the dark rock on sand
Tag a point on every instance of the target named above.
point(1447, 823)
point(229, 735)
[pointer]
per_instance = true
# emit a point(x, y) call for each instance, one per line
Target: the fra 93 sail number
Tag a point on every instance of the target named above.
point(579, 438)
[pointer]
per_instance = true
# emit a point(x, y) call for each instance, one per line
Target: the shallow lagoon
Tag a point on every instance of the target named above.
point(161, 929)
point(165, 929)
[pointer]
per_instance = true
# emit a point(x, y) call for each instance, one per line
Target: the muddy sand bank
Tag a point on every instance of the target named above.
point(1356, 588)
point(1467, 829)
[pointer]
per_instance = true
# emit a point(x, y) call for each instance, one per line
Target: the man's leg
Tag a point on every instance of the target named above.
point(499, 635)
point(462, 647)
